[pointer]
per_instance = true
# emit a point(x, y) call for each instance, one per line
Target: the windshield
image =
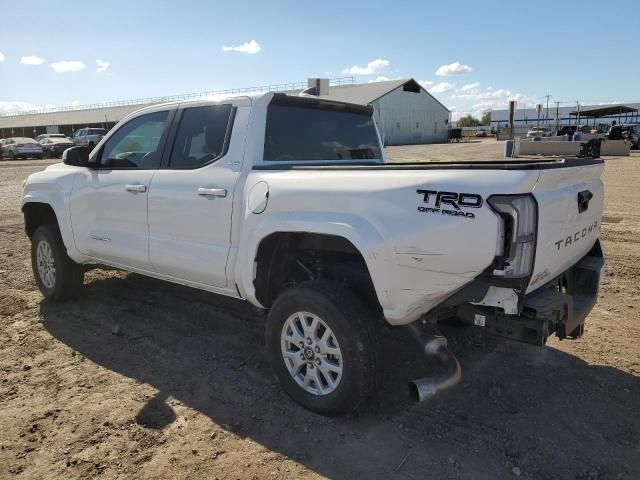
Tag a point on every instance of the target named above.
point(319, 131)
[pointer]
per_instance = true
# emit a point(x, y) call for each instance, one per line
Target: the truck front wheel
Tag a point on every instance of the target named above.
point(324, 347)
point(57, 276)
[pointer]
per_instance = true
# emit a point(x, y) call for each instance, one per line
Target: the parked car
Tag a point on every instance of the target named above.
point(54, 146)
point(538, 132)
point(21, 147)
point(567, 130)
point(629, 132)
point(88, 136)
point(481, 133)
point(287, 203)
point(42, 136)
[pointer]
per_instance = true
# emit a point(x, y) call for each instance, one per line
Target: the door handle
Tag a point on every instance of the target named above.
point(212, 192)
point(136, 188)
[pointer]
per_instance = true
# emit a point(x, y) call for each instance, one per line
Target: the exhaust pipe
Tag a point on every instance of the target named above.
point(434, 345)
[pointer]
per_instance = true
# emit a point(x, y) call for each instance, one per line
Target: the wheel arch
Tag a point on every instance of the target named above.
point(36, 214)
point(356, 246)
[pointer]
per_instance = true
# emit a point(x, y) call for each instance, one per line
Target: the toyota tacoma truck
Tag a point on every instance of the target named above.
point(287, 202)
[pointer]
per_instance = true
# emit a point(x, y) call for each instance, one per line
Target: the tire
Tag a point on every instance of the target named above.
point(91, 145)
point(67, 277)
point(354, 332)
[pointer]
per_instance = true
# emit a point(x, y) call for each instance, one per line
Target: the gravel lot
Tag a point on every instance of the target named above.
point(143, 379)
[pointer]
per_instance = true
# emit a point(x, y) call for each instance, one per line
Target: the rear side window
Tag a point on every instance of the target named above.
point(317, 132)
point(202, 136)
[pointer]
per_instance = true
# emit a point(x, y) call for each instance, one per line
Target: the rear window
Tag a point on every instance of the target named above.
point(317, 131)
point(96, 131)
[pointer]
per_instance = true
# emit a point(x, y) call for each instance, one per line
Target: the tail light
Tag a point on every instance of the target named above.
point(518, 230)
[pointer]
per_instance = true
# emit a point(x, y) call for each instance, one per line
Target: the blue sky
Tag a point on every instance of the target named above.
point(486, 52)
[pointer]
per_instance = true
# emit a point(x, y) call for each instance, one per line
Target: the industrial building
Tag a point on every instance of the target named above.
point(404, 111)
point(556, 116)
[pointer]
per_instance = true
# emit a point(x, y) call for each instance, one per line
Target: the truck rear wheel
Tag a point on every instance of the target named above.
point(57, 276)
point(324, 347)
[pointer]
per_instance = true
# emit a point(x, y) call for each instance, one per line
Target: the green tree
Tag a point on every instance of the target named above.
point(468, 121)
point(486, 118)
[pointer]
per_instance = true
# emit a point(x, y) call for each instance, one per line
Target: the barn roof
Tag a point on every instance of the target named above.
point(367, 93)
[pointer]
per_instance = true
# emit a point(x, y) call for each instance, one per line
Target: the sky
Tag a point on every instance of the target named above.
point(473, 56)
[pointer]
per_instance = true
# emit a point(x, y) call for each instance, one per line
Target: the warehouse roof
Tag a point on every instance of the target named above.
point(72, 117)
point(363, 94)
point(604, 111)
point(367, 93)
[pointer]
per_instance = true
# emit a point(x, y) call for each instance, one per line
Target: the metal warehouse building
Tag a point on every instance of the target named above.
point(556, 115)
point(404, 111)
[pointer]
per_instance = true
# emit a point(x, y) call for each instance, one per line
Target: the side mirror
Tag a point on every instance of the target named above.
point(76, 156)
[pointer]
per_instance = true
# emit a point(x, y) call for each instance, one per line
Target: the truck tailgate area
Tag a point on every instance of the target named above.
point(570, 202)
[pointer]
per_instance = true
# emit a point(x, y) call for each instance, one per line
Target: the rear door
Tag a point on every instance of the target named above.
point(191, 196)
point(109, 203)
point(570, 203)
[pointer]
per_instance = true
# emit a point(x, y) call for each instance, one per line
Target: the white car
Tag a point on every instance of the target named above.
point(537, 132)
point(21, 147)
point(286, 202)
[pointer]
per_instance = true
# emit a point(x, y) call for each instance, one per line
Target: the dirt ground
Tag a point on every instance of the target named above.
point(143, 379)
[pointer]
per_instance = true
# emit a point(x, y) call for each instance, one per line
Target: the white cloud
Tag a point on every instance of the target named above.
point(476, 102)
point(250, 47)
point(32, 60)
point(380, 78)
point(441, 87)
point(68, 66)
point(102, 65)
point(426, 84)
point(372, 68)
point(469, 87)
point(1, 57)
point(75, 103)
point(17, 106)
point(455, 68)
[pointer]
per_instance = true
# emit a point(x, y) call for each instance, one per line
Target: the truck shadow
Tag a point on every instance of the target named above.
point(548, 412)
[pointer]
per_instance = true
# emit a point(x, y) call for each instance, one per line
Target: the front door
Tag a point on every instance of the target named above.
point(109, 203)
point(191, 197)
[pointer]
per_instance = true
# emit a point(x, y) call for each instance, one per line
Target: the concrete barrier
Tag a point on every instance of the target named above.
point(561, 148)
point(615, 148)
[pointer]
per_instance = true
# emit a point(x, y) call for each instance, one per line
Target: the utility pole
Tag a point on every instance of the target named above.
point(578, 108)
point(547, 114)
point(557, 115)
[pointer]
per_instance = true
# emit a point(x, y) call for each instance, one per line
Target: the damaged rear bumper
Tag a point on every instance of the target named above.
point(560, 307)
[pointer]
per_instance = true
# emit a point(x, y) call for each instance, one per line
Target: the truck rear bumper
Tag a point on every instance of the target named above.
point(561, 306)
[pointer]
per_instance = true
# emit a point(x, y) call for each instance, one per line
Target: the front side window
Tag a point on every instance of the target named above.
point(202, 136)
point(317, 132)
point(135, 144)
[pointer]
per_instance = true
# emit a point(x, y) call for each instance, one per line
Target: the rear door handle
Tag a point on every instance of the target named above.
point(136, 188)
point(212, 192)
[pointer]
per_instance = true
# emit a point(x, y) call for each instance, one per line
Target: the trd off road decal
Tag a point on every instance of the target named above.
point(449, 203)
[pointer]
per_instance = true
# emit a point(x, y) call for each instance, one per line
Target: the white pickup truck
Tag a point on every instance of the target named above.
point(287, 202)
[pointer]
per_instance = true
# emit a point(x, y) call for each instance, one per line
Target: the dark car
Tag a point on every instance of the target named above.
point(567, 130)
point(54, 146)
point(629, 132)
